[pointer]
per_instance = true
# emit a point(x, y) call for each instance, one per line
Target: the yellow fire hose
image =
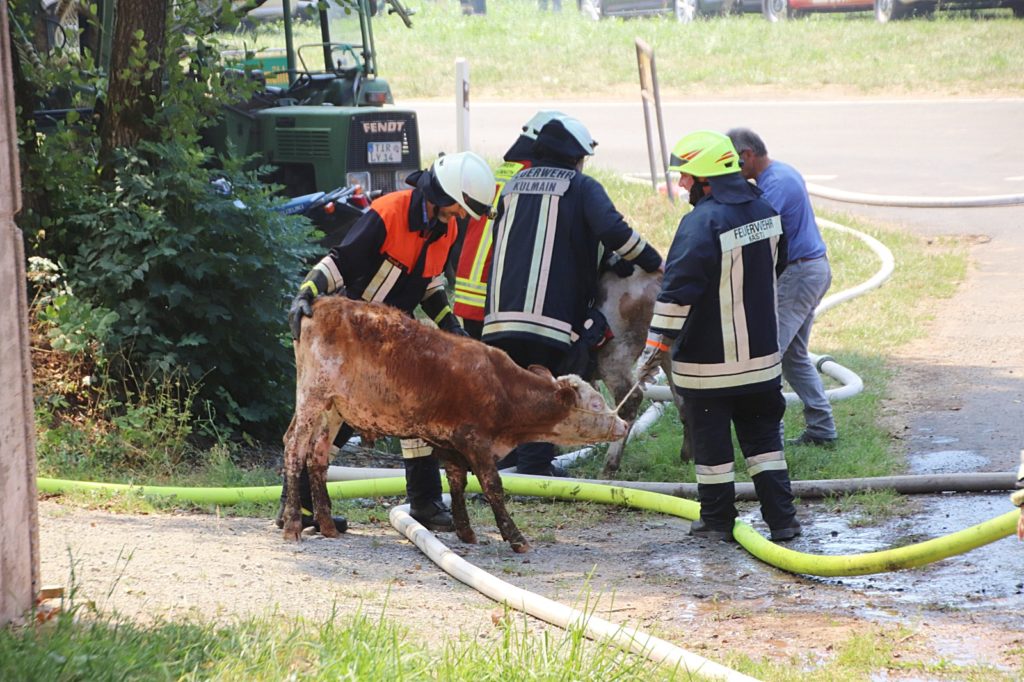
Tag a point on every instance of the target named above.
point(789, 560)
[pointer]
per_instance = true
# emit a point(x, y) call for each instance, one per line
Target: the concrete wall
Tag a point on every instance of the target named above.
point(19, 531)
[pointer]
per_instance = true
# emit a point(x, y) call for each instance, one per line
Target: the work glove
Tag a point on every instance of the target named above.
point(302, 304)
point(451, 325)
point(617, 264)
point(621, 267)
point(647, 365)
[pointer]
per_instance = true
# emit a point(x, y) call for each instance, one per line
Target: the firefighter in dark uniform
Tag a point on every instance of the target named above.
point(474, 266)
point(553, 225)
point(717, 309)
point(395, 254)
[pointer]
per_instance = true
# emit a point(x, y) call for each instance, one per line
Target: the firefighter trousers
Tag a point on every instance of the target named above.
point(755, 417)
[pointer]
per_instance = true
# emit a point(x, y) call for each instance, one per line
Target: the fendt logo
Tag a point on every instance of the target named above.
point(383, 126)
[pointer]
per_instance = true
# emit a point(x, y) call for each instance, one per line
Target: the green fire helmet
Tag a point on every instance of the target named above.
point(705, 154)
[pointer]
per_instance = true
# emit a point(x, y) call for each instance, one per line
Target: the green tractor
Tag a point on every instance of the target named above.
point(319, 116)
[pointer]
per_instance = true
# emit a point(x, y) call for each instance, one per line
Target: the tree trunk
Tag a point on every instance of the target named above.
point(136, 76)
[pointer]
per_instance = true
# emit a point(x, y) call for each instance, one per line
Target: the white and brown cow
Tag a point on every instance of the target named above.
point(382, 372)
point(628, 305)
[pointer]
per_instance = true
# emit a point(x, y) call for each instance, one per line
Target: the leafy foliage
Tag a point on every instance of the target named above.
point(166, 278)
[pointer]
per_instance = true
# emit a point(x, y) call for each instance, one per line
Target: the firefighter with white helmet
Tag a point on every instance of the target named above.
point(395, 254)
point(554, 224)
point(473, 269)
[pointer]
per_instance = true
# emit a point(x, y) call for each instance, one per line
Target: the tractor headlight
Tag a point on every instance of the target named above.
point(361, 178)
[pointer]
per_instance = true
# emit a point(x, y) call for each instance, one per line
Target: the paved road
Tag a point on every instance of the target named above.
point(936, 148)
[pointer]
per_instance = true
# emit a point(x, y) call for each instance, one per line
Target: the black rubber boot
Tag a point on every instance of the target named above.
point(702, 529)
point(776, 496)
point(306, 502)
point(423, 489)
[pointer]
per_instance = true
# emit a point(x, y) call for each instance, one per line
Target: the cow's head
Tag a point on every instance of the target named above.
point(589, 419)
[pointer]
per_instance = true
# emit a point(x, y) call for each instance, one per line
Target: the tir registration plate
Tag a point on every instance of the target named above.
point(384, 152)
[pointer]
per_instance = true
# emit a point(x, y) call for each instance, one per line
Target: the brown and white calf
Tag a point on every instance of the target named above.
point(628, 305)
point(384, 373)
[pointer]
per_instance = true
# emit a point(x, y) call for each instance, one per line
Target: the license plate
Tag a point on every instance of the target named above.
point(384, 152)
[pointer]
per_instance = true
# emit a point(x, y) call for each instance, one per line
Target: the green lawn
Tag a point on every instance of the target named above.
point(516, 51)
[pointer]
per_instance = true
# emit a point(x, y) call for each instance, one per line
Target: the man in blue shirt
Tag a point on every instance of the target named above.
point(803, 283)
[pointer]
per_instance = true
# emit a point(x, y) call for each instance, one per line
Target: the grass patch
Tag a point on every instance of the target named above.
point(515, 48)
point(84, 644)
point(863, 654)
point(870, 508)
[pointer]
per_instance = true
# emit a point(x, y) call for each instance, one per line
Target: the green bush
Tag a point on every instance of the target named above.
point(165, 279)
point(172, 276)
point(196, 282)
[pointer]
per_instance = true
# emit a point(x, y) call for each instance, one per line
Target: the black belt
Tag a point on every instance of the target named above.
point(804, 260)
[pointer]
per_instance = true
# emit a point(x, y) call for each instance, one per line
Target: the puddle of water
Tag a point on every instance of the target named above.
point(946, 462)
point(987, 580)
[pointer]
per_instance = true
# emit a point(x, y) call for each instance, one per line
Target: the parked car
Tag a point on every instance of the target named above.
point(885, 10)
point(274, 9)
point(682, 10)
point(268, 10)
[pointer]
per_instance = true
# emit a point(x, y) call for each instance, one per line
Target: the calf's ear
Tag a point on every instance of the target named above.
point(566, 393)
point(541, 370)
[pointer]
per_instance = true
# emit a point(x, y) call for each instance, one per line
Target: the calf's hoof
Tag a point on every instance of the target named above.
point(520, 547)
point(329, 530)
point(292, 533)
point(340, 522)
point(467, 535)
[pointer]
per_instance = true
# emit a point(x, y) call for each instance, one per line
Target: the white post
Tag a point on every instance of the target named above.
point(462, 104)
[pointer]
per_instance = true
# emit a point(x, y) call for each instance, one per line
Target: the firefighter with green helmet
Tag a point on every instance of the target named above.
point(716, 314)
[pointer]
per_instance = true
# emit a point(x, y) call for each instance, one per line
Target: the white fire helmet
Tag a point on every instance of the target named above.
point(467, 179)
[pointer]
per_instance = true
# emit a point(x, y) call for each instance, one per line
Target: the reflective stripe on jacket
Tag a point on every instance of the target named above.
point(474, 267)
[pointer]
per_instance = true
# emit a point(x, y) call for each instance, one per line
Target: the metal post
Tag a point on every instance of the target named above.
point(289, 41)
point(19, 524)
point(651, 97)
point(462, 104)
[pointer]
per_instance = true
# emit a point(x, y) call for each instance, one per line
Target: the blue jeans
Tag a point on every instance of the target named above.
point(801, 288)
